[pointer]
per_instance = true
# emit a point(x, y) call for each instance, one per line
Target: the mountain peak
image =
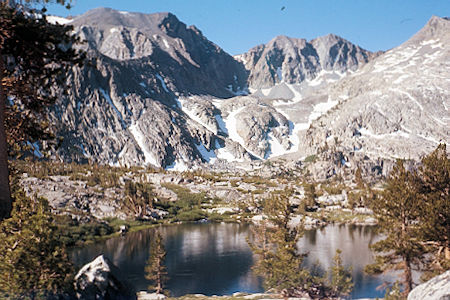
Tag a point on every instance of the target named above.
point(436, 28)
point(283, 39)
point(329, 37)
point(110, 17)
point(436, 23)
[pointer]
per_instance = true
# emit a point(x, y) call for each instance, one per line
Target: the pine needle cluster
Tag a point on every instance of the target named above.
point(33, 261)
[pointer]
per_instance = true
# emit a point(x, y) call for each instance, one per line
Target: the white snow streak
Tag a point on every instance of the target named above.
point(223, 153)
point(58, 20)
point(232, 130)
point(208, 155)
point(178, 166)
point(280, 74)
point(110, 102)
point(221, 124)
point(193, 115)
point(166, 44)
point(409, 96)
point(140, 139)
point(276, 149)
point(399, 133)
point(320, 109)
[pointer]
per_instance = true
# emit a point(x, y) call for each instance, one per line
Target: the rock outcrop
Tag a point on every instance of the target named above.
point(99, 280)
point(437, 288)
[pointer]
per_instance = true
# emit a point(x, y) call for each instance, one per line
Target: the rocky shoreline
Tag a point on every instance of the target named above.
point(100, 279)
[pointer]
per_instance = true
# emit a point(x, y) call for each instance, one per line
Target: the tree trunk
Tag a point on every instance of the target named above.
point(408, 277)
point(5, 193)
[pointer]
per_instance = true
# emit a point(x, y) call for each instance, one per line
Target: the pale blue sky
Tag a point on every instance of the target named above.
point(238, 25)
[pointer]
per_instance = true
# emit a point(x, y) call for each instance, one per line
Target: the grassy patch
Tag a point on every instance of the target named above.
point(311, 158)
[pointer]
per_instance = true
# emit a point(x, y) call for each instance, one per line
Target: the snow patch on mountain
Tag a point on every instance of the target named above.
point(163, 84)
point(58, 20)
point(231, 125)
point(221, 124)
point(194, 115)
point(208, 155)
point(140, 140)
point(178, 166)
point(110, 102)
point(321, 108)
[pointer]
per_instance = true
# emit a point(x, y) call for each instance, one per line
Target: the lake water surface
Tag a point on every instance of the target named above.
point(214, 259)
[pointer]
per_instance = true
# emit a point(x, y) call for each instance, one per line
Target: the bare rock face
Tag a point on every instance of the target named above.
point(156, 92)
point(183, 54)
point(122, 106)
point(396, 106)
point(101, 280)
point(293, 61)
point(437, 288)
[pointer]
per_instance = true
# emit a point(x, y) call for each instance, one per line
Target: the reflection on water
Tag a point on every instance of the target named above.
point(321, 244)
point(215, 258)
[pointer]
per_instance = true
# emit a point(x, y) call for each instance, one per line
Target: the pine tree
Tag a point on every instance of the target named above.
point(138, 197)
point(34, 56)
point(394, 292)
point(433, 180)
point(33, 260)
point(310, 195)
point(259, 244)
point(280, 263)
point(155, 270)
point(341, 282)
point(360, 184)
point(397, 210)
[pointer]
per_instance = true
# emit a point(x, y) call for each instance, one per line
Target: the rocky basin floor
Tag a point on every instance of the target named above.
point(89, 193)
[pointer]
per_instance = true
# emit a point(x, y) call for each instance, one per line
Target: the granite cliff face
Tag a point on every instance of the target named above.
point(157, 92)
point(122, 107)
point(293, 61)
point(396, 106)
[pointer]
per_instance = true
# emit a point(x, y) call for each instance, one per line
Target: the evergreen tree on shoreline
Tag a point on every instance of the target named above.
point(433, 180)
point(341, 282)
point(155, 270)
point(280, 262)
point(397, 210)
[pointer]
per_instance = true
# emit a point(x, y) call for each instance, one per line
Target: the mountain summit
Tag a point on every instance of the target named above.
point(293, 61)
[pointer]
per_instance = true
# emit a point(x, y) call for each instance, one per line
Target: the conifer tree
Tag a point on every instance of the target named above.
point(397, 211)
point(259, 245)
point(341, 282)
point(280, 263)
point(433, 179)
point(155, 271)
point(360, 184)
point(33, 260)
point(34, 56)
point(310, 195)
point(138, 197)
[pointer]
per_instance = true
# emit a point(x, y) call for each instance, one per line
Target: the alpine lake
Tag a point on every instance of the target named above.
point(215, 259)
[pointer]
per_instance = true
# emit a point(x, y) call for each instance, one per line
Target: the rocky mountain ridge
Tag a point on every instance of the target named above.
point(293, 61)
point(396, 106)
point(159, 93)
